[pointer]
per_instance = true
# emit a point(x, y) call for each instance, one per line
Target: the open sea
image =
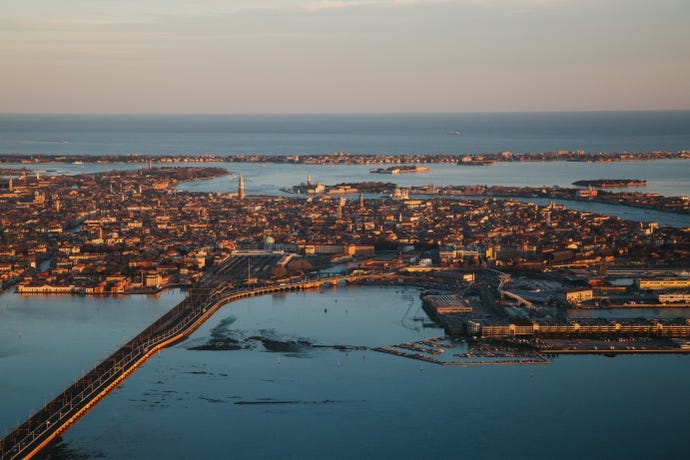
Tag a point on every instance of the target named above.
point(319, 402)
point(319, 134)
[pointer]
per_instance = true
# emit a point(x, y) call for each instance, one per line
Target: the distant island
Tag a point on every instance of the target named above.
point(476, 160)
point(609, 183)
point(343, 158)
point(674, 204)
point(402, 169)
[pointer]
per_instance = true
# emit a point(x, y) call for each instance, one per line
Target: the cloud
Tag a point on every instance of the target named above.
point(111, 13)
point(513, 3)
point(125, 14)
point(63, 23)
point(324, 5)
point(350, 4)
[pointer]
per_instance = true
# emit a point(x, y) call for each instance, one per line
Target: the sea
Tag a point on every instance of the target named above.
point(355, 133)
point(311, 402)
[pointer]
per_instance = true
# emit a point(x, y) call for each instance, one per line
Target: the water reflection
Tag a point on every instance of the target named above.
point(48, 341)
point(258, 402)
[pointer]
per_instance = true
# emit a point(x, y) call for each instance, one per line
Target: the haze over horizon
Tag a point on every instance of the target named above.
point(340, 56)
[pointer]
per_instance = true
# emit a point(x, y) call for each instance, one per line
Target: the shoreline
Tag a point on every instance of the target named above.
point(678, 205)
point(342, 158)
point(155, 292)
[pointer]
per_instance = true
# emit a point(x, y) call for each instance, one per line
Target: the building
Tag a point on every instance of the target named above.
point(576, 295)
point(442, 304)
point(673, 298)
point(269, 243)
point(583, 327)
point(153, 280)
point(662, 284)
point(322, 249)
point(589, 192)
point(366, 250)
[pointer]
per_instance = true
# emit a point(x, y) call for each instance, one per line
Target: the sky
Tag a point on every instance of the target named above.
point(343, 56)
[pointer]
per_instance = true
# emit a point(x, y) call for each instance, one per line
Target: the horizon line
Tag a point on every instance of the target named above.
point(334, 113)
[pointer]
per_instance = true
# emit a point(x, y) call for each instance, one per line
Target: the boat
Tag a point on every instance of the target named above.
point(453, 133)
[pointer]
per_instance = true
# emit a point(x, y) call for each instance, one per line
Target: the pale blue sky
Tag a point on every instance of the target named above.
point(296, 56)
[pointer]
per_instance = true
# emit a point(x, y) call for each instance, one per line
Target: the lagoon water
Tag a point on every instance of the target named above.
point(46, 342)
point(665, 177)
point(362, 404)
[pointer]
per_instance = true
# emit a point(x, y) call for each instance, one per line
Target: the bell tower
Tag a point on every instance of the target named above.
point(240, 188)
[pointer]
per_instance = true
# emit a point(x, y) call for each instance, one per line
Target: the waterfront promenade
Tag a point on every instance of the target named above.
point(42, 428)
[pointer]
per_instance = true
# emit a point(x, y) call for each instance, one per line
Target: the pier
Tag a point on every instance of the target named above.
point(59, 415)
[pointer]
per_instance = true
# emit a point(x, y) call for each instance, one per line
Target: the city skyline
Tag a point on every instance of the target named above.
point(378, 56)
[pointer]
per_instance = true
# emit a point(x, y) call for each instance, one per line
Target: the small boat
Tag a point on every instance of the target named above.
point(453, 133)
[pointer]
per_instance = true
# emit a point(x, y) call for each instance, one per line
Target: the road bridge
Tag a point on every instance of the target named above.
point(210, 293)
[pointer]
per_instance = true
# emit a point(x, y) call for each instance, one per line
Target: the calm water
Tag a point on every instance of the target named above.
point(316, 134)
point(182, 404)
point(47, 342)
point(665, 177)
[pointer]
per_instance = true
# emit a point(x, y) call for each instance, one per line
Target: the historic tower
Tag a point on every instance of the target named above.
point(240, 188)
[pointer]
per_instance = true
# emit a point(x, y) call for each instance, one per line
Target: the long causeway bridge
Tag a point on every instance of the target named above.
point(211, 293)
